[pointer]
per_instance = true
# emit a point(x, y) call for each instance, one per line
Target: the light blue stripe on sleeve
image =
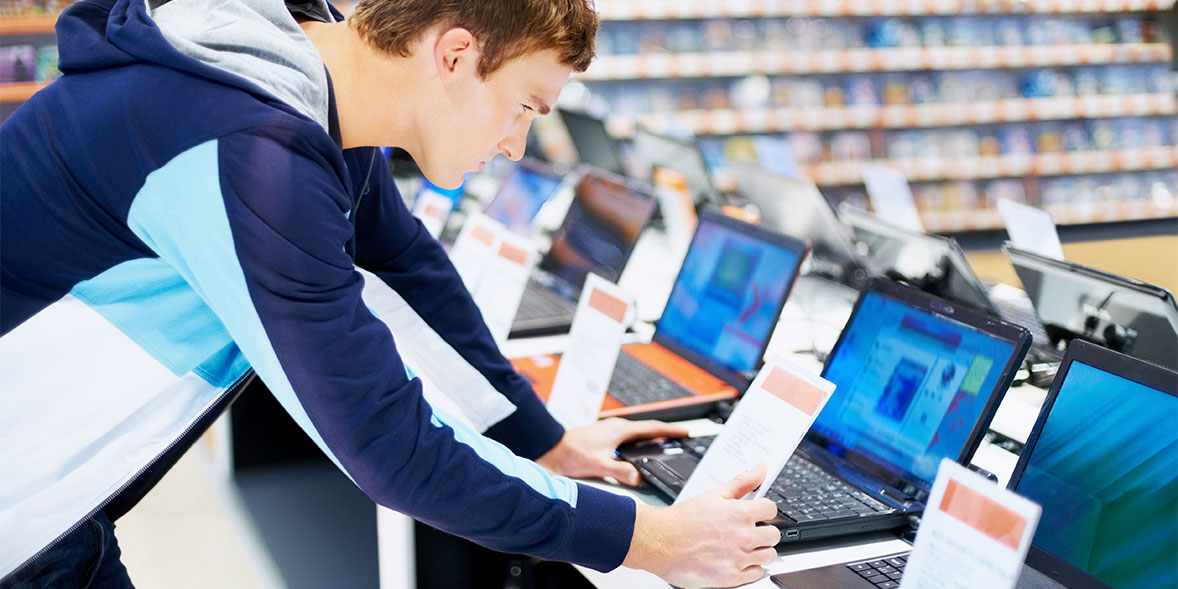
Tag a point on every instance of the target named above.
point(180, 214)
point(151, 303)
point(532, 474)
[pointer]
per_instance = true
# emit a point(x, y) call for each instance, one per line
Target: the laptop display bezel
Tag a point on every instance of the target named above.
point(861, 221)
point(1140, 371)
point(591, 173)
point(535, 166)
point(1019, 337)
point(1022, 260)
point(800, 248)
point(586, 121)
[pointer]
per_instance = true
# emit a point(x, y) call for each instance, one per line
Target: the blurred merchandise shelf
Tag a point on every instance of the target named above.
point(1062, 213)
point(1015, 165)
point(28, 25)
point(19, 91)
point(743, 63)
point(702, 9)
point(1013, 110)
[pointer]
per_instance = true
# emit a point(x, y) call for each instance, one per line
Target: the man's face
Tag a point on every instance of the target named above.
point(486, 117)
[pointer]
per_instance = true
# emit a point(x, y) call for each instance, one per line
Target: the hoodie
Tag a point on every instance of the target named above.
point(178, 214)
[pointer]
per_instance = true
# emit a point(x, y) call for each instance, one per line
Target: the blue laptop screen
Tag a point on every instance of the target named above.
point(726, 300)
point(519, 199)
point(599, 231)
point(911, 386)
point(1105, 471)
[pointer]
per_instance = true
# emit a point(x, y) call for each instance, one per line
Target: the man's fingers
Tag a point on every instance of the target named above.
point(761, 510)
point(744, 483)
point(766, 537)
point(750, 574)
point(649, 428)
point(623, 472)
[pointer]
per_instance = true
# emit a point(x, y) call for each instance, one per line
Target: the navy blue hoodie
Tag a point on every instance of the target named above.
point(168, 224)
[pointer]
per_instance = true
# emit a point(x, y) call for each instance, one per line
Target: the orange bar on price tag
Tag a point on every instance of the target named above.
point(983, 514)
point(798, 393)
point(513, 254)
point(610, 306)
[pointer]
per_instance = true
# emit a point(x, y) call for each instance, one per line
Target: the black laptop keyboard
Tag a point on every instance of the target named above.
point(539, 302)
point(884, 573)
point(634, 383)
point(806, 493)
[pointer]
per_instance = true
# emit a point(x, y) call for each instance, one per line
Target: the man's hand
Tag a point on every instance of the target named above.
point(588, 451)
point(712, 540)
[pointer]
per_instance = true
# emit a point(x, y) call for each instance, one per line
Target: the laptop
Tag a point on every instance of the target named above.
point(937, 264)
point(600, 229)
point(594, 145)
point(526, 189)
point(795, 207)
point(683, 156)
point(1074, 301)
point(1102, 462)
point(918, 379)
point(719, 316)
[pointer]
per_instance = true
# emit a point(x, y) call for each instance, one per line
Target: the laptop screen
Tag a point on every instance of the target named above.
point(594, 145)
point(1105, 470)
point(729, 293)
point(1073, 300)
point(599, 231)
point(932, 263)
point(911, 386)
point(523, 192)
point(682, 156)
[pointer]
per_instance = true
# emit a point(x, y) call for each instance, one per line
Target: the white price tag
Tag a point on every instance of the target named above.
point(891, 197)
point(588, 361)
point(473, 248)
point(973, 534)
point(502, 287)
point(766, 427)
point(432, 209)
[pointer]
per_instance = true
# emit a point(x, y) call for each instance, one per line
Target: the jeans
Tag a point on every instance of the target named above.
point(87, 557)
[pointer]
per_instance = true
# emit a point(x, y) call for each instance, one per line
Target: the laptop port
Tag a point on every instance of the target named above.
point(791, 533)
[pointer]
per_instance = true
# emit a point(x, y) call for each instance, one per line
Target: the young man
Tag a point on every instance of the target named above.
point(192, 198)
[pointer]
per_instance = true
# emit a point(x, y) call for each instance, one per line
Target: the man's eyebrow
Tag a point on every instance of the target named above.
point(541, 106)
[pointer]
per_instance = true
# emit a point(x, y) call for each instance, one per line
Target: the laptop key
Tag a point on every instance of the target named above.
point(897, 562)
point(859, 566)
point(878, 579)
point(888, 585)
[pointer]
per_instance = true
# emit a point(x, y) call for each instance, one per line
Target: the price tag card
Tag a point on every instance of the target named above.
point(1030, 228)
point(433, 209)
point(502, 287)
point(766, 427)
point(588, 361)
point(973, 534)
point(474, 247)
point(891, 197)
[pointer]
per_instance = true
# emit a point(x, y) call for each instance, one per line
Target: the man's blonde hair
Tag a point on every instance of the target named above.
point(505, 29)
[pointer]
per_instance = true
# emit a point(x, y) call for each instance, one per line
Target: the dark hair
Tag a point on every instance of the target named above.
point(504, 29)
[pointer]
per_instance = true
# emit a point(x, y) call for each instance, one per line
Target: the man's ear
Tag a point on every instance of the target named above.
point(456, 52)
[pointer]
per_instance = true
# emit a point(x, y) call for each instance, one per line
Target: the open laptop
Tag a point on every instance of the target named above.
point(598, 234)
point(1074, 301)
point(937, 264)
point(527, 188)
point(713, 333)
point(918, 379)
point(1102, 462)
point(663, 151)
point(594, 145)
point(796, 208)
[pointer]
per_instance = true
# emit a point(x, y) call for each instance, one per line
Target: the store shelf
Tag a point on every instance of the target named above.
point(1063, 214)
point(907, 116)
point(700, 9)
point(20, 91)
point(743, 63)
point(1005, 166)
point(28, 25)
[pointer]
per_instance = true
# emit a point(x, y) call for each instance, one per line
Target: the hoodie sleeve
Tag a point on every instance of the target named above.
point(256, 222)
point(392, 244)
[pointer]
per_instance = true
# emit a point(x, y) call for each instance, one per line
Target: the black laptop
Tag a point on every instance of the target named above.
point(1102, 462)
point(918, 379)
point(937, 264)
point(1074, 301)
point(656, 150)
point(594, 145)
point(604, 220)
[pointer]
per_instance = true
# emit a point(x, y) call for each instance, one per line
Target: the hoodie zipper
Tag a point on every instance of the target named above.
point(244, 378)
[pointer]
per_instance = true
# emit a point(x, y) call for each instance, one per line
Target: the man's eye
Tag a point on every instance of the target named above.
point(527, 108)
